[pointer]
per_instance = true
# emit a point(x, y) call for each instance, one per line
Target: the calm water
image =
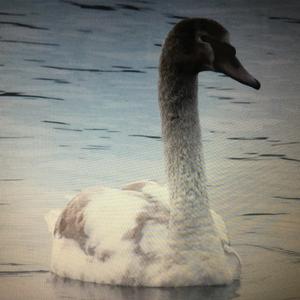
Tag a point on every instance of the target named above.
point(78, 108)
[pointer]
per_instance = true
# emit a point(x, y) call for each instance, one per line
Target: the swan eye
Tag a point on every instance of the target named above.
point(203, 38)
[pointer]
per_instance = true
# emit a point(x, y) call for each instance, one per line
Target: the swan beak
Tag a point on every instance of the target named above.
point(234, 69)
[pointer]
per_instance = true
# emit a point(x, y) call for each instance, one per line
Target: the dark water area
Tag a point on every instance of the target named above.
point(78, 108)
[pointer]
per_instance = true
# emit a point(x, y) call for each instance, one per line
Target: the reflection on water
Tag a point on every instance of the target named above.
point(94, 291)
point(78, 107)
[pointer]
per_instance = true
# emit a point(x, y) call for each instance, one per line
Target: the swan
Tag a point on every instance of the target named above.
point(147, 234)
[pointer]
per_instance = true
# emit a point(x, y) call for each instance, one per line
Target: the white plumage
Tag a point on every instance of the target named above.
point(146, 234)
point(125, 241)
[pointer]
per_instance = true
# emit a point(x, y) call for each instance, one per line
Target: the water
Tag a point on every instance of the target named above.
point(78, 105)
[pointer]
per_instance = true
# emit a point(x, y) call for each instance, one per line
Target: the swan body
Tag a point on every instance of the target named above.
point(146, 234)
point(98, 240)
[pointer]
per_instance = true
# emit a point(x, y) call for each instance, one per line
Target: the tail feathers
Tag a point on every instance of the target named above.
point(234, 261)
point(51, 218)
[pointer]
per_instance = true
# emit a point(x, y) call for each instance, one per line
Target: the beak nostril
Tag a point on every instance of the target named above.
point(234, 69)
point(233, 50)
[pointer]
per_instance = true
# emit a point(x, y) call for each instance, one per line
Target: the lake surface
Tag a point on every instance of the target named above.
point(78, 107)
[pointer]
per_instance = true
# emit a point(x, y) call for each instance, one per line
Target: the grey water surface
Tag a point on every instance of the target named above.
point(78, 107)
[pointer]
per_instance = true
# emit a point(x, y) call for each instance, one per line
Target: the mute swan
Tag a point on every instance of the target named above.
point(146, 234)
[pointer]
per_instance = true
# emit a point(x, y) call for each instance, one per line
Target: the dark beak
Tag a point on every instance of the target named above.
point(234, 69)
point(226, 62)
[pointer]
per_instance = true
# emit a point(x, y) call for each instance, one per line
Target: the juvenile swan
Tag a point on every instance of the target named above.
point(146, 234)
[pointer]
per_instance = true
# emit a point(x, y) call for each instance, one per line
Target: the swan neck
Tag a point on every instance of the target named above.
point(183, 154)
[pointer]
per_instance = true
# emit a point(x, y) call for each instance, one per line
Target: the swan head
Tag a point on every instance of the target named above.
point(195, 45)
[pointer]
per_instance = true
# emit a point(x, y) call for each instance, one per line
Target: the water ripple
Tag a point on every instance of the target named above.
point(55, 122)
point(146, 136)
point(287, 198)
point(17, 24)
point(25, 272)
point(89, 6)
point(22, 95)
point(29, 43)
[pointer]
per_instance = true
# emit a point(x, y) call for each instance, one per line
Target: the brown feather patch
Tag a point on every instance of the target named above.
point(71, 222)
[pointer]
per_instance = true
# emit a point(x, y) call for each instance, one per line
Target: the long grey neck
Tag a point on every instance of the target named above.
point(183, 153)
